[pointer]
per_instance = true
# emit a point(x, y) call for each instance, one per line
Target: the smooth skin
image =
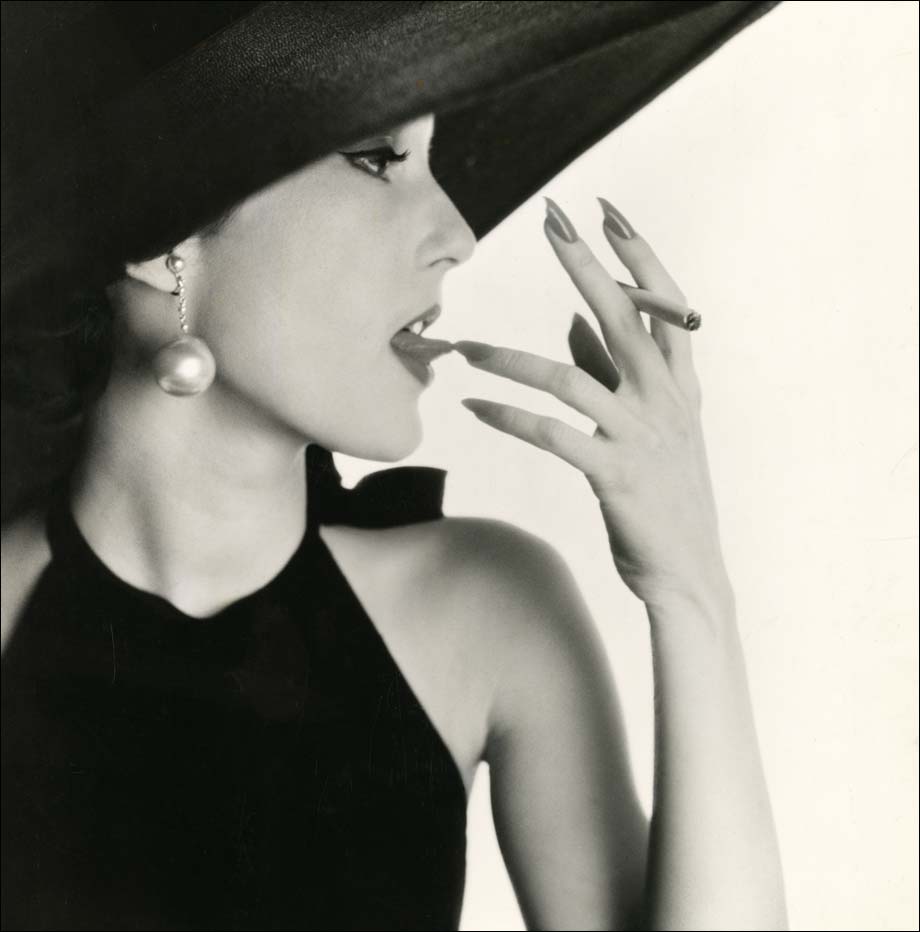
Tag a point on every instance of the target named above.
point(298, 299)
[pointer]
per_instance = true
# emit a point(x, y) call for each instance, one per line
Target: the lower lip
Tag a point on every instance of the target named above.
point(421, 370)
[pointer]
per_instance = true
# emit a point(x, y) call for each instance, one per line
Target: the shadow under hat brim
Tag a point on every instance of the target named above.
point(519, 90)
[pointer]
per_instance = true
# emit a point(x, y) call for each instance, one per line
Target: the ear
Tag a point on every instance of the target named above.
point(155, 273)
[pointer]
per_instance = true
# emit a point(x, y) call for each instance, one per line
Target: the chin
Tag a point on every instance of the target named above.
point(383, 442)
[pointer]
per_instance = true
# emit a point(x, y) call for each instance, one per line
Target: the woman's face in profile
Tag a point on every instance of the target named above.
point(302, 291)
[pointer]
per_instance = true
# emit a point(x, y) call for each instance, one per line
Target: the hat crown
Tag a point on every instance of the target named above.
point(68, 60)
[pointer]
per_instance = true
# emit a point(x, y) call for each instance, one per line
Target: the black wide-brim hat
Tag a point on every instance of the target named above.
point(128, 126)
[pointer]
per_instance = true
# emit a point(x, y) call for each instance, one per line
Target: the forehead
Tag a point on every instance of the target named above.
point(422, 127)
point(419, 133)
point(422, 124)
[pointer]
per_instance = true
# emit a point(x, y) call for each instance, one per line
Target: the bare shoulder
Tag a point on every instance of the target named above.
point(513, 593)
point(470, 582)
point(468, 557)
point(24, 554)
point(481, 572)
point(489, 559)
point(468, 606)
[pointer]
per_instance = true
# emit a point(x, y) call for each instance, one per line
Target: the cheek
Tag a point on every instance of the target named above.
point(285, 328)
point(304, 301)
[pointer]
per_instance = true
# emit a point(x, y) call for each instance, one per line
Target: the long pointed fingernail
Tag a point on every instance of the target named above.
point(559, 223)
point(474, 405)
point(615, 221)
point(473, 351)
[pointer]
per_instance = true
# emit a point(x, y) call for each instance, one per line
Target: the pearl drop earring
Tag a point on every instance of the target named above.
point(186, 365)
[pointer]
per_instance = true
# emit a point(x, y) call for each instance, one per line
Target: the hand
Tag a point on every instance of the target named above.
point(646, 460)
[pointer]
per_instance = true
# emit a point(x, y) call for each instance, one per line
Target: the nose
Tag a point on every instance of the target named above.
point(451, 239)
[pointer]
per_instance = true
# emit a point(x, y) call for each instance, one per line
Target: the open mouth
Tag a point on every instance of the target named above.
point(418, 327)
point(422, 348)
point(409, 339)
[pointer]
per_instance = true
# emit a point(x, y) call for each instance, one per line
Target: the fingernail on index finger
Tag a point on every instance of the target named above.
point(559, 223)
point(473, 351)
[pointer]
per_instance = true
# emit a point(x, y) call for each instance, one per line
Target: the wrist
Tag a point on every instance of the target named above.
point(707, 602)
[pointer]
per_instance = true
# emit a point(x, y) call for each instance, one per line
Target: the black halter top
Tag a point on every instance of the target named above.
point(265, 768)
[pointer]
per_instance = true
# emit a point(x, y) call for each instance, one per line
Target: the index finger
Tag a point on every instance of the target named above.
point(631, 346)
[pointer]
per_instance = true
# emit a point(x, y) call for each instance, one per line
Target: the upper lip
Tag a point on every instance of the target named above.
point(429, 316)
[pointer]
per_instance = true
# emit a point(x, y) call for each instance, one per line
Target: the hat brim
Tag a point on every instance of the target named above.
point(519, 91)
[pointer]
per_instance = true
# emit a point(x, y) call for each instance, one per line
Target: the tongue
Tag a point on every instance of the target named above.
point(420, 347)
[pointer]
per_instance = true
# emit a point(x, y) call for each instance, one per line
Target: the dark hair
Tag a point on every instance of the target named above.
point(58, 352)
point(56, 358)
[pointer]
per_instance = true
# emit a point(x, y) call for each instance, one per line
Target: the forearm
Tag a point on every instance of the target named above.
point(713, 858)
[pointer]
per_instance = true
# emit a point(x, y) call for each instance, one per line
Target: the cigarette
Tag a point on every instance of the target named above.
point(663, 308)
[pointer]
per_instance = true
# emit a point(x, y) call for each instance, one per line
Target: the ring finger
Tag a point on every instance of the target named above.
point(570, 384)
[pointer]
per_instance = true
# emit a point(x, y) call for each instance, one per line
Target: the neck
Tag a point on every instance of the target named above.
point(190, 498)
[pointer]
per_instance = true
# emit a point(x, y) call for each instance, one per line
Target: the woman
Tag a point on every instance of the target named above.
point(231, 687)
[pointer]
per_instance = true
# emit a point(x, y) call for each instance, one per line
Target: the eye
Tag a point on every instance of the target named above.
point(381, 157)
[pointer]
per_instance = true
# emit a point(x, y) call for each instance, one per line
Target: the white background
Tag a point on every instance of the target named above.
point(778, 183)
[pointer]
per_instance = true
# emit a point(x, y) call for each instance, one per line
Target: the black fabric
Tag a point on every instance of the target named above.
point(266, 768)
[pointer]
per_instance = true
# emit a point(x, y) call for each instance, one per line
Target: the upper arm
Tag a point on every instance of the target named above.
point(568, 821)
point(24, 554)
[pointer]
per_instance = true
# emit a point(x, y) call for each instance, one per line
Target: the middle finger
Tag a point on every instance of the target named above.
point(631, 346)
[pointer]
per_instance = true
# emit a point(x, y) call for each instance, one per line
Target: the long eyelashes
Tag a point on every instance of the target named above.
point(382, 156)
